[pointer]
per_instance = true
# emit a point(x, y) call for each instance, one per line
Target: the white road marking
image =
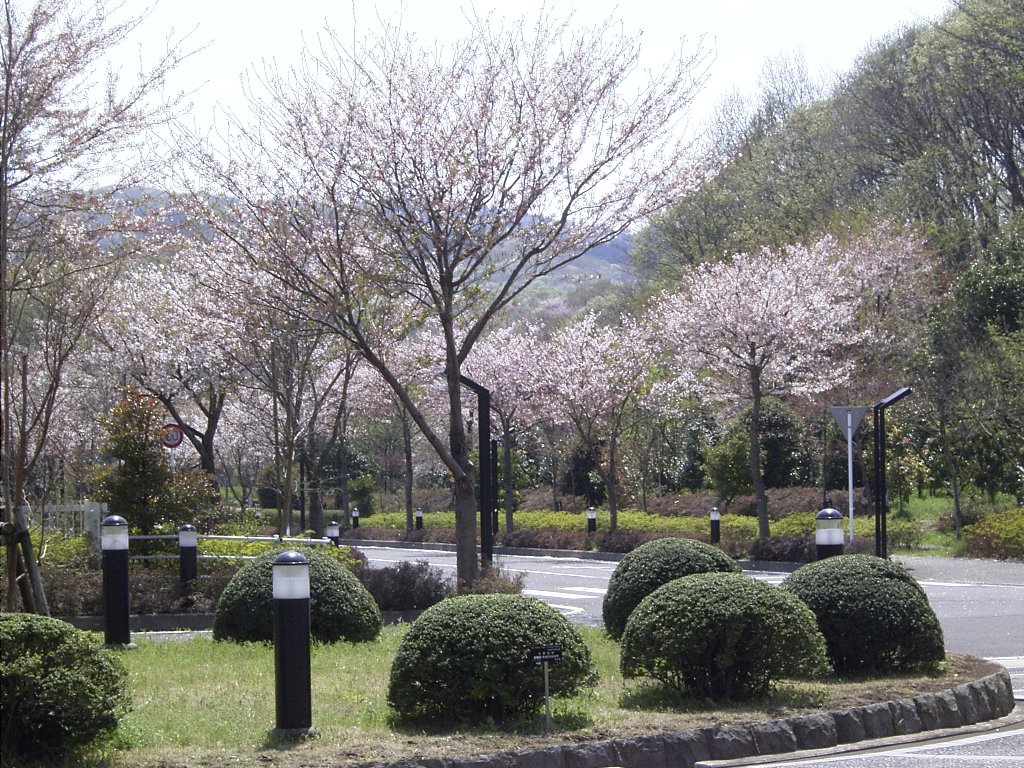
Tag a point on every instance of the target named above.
point(562, 595)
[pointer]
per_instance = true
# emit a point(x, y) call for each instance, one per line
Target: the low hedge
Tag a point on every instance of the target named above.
point(340, 606)
point(467, 659)
point(722, 636)
point(649, 566)
point(59, 689)
point(875, 617)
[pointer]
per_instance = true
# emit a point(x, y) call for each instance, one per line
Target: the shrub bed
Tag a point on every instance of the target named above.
point(649, 566)
point(999, 534)
point(467, 659)
point(58, 689)
point(722, 636)
point(340, 606)
point(875, 617)
point(406, 586)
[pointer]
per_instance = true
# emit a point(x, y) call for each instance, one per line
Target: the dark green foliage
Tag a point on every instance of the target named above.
point(875, 617)
point(406, 586)
point(340, 607)
point(58, 689)
point(722, 636)
point(581, 477)
point(784, 549)
point(467, 660)
point(649, 566)
point(140, 485)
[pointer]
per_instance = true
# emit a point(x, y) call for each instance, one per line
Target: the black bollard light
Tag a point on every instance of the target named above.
point(591, 520)
point(333, 532)
point(419, 519)
point(355, 517)
point(188, 553)
point(116, 602)
point(291, 645)
point(828, 533)
point(716, 525)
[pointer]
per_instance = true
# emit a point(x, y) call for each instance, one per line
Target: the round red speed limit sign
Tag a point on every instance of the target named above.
point(172, 436)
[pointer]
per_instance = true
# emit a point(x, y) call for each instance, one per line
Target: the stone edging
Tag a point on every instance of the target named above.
point(989, 698)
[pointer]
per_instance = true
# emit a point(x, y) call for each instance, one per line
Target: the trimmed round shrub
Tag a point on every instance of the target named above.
point(467, 659)
point(649, 566)
point(339, 605)
point(723, 636)
point(59, 689)
point(875, 617)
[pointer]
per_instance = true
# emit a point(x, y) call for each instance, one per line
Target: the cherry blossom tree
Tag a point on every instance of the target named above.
point(410, 186)
point(505, 361)
point(63, 126)
point(165, 332)
point(597, 374)
point(780, 322)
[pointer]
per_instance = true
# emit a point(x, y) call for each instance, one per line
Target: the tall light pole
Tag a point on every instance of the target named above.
point(484, 469)
point(881, 502)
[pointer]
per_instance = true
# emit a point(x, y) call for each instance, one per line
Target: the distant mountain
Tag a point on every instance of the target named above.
point(593, 281)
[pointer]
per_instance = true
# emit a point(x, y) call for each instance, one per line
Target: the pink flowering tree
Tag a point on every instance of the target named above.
point(395, 186)
point(506, 361)
point(778, 322)
point(165, 332)
point(597, 374)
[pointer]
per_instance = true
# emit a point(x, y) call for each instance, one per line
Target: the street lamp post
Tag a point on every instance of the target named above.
point(484, 471)
point(881, 502)
point(716, 525)
point(116, 601)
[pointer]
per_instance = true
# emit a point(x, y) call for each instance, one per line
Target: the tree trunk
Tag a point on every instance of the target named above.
point(508, 481)
point(613, 486)
point(756, 478)
point(466, 561)
point(407, 444)
point(316, 505)
point(954, 475)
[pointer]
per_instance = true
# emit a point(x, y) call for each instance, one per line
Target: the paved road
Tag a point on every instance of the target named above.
point(993, 750)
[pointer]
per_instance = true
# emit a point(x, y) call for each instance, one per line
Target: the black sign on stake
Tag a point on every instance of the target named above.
point(544, 654)
point(541, 653)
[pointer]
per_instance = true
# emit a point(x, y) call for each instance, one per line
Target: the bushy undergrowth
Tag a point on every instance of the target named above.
point(722, 636)
point(406, 586)
point(340, 606)
point(649, 566)
point(999, 534)
point(875, 617)
point(58, 688)
point(467, 660)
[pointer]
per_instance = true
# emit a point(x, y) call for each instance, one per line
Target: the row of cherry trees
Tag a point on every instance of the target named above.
point(252, 388)
point(347, 253)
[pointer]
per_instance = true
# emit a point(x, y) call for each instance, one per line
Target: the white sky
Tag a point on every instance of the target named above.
point(742, 33)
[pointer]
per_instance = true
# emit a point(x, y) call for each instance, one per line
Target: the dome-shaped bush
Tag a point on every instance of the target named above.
point(340, 607)
point(58, 689)
point(649, 566)
point(468, 659)
point(722, 636)
point(875, 617)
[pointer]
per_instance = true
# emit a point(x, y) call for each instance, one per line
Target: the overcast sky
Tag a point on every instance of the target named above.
point(238, 34)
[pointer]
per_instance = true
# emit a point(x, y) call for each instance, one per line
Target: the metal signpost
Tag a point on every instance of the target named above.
point(544, 654)
point(849, 419)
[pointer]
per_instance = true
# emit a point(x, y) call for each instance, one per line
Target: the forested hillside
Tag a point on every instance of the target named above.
point(925, 133)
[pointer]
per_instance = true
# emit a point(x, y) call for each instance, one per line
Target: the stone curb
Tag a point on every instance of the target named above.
point(929, 716)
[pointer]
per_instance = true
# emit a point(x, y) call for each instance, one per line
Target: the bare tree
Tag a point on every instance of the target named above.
point(408, 187)
point(63, 127)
